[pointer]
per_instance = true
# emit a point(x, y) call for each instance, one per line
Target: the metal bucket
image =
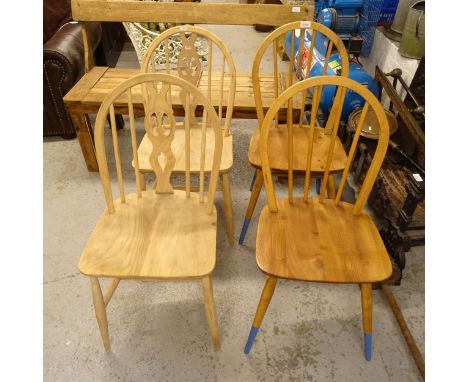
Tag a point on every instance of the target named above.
point(401, 14)
point(412, 41)
point(370, 127)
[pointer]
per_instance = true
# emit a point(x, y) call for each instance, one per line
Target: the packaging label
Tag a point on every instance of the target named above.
point(417, 177)
point(296, 9)
point(305, 24)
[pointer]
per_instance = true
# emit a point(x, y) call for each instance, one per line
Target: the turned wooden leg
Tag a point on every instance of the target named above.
point(257, 188)
point(366, 303)
point(83, 133)
point(228, 208)
point(331, 188)
point(254, 177)
point(100, 310)
point(210, 310)
point(265, 299)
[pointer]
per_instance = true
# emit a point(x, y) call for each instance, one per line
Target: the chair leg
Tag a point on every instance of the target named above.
point(265, 299)
point(366, 303)
point(252, 203)
point(142, 181)
point(331, 188)
point(253, 181)
point(100, 311)
point(318, 185)
point(228, 208)
point(210, 310)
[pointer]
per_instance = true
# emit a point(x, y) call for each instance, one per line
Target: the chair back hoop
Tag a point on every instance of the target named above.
point(343, 84)
point(152, 90)
point(179, 49)
point(304, 60)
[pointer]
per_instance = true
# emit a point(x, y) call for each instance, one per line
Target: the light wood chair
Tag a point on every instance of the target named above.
point(217, 80)
point(295, 109)
point(318, 239)
point(160, 234)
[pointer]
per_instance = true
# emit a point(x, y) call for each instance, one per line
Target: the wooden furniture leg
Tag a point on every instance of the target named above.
point(228, 208)
point(417, 356)
point(366, 304)
point(331, 188)
point(142, 181)
point(210, 310)
point(257, 187)
point(265, 299)
point(83, 132)
point(110, 291)
point(100, 311)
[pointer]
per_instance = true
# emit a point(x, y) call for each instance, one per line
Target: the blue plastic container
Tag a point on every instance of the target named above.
point(356, 72)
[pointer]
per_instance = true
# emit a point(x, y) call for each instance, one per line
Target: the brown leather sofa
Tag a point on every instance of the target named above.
point(63, 60)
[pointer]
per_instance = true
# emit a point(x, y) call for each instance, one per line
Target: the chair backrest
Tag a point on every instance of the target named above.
point(304, 60)
point(200, 57)
point(150, 95)
point(343, 84)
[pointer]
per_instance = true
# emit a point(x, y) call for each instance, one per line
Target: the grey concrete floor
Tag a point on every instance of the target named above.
point(158, 330)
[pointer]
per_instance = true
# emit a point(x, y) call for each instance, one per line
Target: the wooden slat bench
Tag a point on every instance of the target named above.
point(89, 92)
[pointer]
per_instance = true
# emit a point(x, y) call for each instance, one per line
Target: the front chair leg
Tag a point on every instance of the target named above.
point(366, 303)
point(265, 299)
point(210, 310)
point(257, 188)
point(100, 311)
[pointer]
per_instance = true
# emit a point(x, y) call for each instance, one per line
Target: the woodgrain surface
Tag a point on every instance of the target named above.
point(278, 150)
point(189, 13)
point(321, 242)
point(155, 237)
point(178, 149)
point(89, 92)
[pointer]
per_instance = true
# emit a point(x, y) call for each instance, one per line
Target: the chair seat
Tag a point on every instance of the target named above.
point(320, 242)
point(278, 150)
point(160, 236)
point(178, 148)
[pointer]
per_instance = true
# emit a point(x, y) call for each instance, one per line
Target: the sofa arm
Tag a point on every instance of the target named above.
point(63, 65)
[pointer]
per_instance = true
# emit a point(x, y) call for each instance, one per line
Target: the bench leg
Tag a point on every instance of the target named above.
point(83, 132)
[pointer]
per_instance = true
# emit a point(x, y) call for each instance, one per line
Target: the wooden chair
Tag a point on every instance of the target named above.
point(318, 239)
point(160, 234)
point(219, 87)
point(279, 135)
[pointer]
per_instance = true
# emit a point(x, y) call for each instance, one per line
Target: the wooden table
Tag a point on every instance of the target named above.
point(89, 92)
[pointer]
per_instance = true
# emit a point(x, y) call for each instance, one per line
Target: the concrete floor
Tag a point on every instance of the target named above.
point(158, 330)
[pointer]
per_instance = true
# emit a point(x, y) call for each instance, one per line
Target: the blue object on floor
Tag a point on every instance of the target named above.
point(368, 346)
point(250, 340)
point(253, 181)
point(245, 226)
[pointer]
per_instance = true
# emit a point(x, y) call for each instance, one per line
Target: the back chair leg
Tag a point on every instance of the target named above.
point(265, 299)
point(142, 181)
point(210, 310)
point(100, 311)
point(366, 303)
point(257, 187)
point(253, 181)
point(228, 208)
point(331, 189)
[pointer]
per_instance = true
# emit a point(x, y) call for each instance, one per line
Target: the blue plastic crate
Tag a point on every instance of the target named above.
point(387, 13)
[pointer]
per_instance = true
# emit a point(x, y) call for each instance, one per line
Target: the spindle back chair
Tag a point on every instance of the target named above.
point(162, 233)
point(298, 33)
point(314, 238)
point(213, 72)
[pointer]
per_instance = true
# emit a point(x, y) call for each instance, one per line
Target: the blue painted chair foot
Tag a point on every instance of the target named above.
point(245, 226)
point(368, 346)
point(250, 340)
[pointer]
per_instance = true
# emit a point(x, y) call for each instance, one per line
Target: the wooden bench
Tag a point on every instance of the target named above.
point(89, 92)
